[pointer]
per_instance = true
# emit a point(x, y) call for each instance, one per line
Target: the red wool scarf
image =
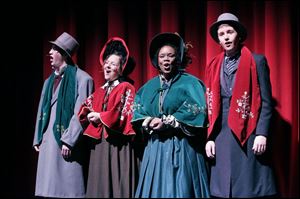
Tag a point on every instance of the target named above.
point(245, 102)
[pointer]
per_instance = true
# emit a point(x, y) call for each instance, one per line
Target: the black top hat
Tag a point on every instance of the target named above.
point(230, 19)
point(67, 43)
point(162, 39)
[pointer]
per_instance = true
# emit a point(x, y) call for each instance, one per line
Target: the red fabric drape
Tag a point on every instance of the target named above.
point(272, 30)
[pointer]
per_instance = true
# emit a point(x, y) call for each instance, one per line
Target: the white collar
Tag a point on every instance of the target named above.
point(111, 84)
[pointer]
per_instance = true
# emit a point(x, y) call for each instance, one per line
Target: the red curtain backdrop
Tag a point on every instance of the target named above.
point(273, 30)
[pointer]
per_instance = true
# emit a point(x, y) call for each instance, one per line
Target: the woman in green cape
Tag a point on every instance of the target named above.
point(170, 114)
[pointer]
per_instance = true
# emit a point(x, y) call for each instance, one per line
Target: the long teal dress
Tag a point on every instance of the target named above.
point(173, 164)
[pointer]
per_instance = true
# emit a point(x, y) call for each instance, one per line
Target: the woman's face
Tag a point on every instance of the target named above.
point(228, 38)
point(111, 67)
point(166, 59)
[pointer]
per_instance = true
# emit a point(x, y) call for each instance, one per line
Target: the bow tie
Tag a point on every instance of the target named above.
point(163, 87)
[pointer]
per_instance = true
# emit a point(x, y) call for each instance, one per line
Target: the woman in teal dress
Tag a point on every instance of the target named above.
point(171, 115)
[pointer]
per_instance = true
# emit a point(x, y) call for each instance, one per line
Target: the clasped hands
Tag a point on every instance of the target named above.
point(151, 124)
point(94, 117)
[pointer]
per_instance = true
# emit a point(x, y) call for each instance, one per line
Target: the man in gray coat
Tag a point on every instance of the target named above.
point(58, 131)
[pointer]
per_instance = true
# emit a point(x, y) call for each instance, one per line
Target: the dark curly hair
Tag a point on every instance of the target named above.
point(187, 58)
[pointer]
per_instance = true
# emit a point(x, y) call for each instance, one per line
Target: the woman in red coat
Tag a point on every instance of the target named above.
point(106, 116)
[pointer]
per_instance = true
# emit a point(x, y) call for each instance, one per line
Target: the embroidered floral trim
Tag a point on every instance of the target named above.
point(126, 107)
point(194, 108)
point(244, 106)
point(42, 117)
point(209, 98)
point(60, 128)
point(136, 107)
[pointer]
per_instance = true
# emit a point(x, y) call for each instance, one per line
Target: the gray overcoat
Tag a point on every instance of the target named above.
point(57, 177)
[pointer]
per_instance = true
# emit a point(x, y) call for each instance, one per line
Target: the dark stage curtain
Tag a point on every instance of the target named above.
point(273, 30)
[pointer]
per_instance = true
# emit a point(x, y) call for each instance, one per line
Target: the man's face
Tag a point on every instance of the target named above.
point(56, 59)
point(228, 38)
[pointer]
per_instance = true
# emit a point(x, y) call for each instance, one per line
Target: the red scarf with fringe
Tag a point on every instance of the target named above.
point(245, 102)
